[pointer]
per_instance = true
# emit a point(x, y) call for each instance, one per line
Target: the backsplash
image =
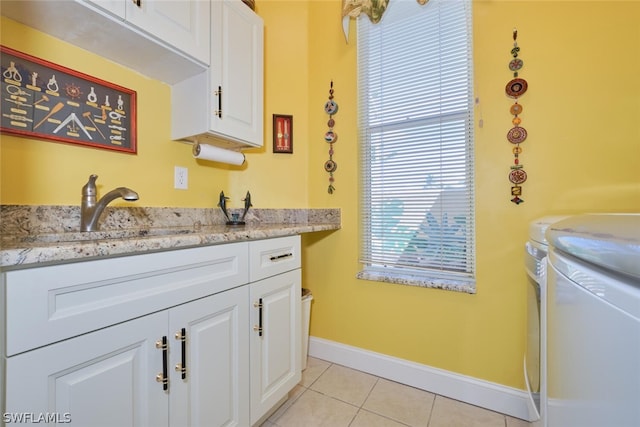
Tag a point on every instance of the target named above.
point(23, 220)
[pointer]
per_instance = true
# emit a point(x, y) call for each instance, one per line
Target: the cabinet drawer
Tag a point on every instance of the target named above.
point(52, 303)
point(273, 256)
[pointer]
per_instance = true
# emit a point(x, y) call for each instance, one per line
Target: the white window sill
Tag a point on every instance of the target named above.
point(424, 282)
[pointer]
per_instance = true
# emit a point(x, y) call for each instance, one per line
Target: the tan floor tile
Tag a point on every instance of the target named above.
point(315, 368)
point(329, 395)
point(369, 419)
point(399, 402)
point(516, 422)
point(314, 409)
point(346, 384)
point(293, 396)
point(453, 413)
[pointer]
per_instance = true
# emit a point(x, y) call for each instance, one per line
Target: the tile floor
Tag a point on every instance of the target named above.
point(331, 395)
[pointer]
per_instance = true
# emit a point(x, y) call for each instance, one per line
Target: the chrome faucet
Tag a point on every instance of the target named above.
point(90, 210)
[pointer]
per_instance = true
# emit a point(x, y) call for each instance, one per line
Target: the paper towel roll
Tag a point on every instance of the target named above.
point(216, 154)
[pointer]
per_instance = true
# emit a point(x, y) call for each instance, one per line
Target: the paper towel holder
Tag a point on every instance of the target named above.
point(221, 155)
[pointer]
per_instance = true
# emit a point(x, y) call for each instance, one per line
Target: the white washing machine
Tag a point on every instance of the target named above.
point(534, 361)
point(593, 321)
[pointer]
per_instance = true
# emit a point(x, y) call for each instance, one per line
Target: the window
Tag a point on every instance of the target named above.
point(416, 130)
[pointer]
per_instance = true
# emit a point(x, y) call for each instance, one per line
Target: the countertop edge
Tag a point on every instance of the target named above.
point(35, 255)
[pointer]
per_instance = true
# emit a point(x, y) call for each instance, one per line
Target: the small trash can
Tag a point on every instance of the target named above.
point(307, 296)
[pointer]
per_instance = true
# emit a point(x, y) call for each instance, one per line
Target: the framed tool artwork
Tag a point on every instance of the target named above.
point(48, 101)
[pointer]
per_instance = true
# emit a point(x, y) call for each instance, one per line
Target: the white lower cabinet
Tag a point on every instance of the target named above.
point(275, 342)
point(131, 374)
point(211, 389)
point(105, 378)
point(275, 288)
point(200, 337)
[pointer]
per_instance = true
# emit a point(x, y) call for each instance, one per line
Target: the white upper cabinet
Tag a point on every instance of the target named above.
point(165, 40)
point(117, 7)
point(184, 24)
point(224, 105)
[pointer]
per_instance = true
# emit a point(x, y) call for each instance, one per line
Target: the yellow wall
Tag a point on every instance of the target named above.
point(281, 180)
point(40, 172)
point(582, 154)
point(581, 112)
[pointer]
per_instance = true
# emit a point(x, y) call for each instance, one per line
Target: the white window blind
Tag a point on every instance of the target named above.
point(416, 131)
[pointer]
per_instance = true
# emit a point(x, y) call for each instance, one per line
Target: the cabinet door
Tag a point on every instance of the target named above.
point(275, 341)
point(214, 389)
point(237, 71)
point(181, 24)
point(105, 378)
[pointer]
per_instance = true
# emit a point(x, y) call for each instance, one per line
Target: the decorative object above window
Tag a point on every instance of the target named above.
point(372, 8)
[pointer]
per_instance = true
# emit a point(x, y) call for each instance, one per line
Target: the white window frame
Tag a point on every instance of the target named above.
point(416, 234)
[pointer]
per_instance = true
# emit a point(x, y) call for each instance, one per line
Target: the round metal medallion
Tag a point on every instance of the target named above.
point(515, 64)
point(331, 107)
point(330, 166)
point(517, 176)
point(516, 87)
point(517, 135)
point(330, 137)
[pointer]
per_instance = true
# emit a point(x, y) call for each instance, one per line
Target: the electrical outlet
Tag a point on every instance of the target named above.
point(181, 178)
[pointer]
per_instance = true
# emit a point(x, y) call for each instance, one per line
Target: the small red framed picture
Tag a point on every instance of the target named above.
point(282, 133)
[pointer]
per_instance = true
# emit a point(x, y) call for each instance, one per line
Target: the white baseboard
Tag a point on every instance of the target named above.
point(492, 396)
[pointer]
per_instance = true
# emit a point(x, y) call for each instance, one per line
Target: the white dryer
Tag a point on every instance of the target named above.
point(593, 321)
point(534, 358)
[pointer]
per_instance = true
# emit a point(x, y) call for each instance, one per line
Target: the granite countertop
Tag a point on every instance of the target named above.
point(39, 235)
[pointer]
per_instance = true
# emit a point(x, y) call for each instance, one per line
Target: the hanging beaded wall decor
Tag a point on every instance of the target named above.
point(331, 108)
point(517, 134)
